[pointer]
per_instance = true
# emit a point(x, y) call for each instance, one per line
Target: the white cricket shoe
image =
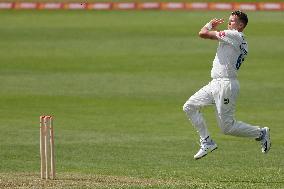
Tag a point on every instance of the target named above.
point(206, 145)
point(265, 140)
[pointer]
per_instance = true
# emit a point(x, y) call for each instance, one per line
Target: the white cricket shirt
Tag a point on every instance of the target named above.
point(231, 51)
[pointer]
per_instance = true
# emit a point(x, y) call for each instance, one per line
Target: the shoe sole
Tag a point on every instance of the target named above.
point(268, 141)
point(207, 153)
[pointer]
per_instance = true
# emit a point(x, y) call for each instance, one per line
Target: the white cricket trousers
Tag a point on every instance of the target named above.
point(223, 93)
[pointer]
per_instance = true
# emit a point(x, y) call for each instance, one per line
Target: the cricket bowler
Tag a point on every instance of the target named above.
point(223, 89)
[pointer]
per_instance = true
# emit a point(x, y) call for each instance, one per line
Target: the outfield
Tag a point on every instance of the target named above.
point(115, 83)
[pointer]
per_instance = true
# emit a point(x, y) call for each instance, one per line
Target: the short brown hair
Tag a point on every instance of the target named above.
point(242, 17)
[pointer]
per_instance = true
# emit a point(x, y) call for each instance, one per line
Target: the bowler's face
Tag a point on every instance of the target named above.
point(233, 23)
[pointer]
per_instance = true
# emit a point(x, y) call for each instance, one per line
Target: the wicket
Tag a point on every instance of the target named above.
point(47, 147)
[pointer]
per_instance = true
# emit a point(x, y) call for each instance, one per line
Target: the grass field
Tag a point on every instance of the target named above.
point(115, 83)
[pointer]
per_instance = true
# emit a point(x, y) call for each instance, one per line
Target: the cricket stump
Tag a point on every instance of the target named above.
point(47, 156)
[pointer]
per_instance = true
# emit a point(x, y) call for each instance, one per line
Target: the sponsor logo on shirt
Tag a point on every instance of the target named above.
point(222, 34)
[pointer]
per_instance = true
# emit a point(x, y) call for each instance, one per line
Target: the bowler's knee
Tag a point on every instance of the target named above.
point(227, 127)
point(189, 108)
point(185, 107)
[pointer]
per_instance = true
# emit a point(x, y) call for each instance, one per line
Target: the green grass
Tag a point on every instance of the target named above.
point(115, 83)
